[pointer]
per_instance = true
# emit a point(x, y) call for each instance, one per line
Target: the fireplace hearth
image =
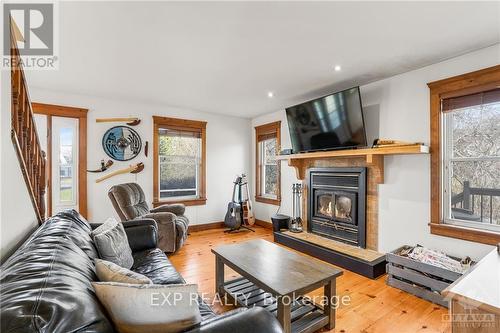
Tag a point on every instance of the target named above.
point(337, 204)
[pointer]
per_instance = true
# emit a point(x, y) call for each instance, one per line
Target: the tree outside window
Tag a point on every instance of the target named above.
point(267, 146)
point(270, 168)
point(471, 172)
point(179, 161)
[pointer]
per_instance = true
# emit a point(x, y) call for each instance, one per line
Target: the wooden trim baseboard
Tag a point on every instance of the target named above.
point(205, 226)
point(263, 224)
point(221, 225)
point(473, 235)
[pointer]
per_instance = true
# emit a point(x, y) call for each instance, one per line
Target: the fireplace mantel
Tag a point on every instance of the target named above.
point(372, 156)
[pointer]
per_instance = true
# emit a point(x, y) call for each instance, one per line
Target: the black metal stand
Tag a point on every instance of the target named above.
point(248, 228)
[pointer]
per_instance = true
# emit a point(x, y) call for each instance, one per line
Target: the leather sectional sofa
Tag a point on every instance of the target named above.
point(46, 283)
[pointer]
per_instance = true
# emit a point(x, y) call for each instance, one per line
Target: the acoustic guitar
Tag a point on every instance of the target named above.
point(248, 216)
point(233, 216)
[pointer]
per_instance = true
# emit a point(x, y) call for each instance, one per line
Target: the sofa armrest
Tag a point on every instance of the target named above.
point(177, 209)
point(252, 320)
point(142, 234)
point(131, 223)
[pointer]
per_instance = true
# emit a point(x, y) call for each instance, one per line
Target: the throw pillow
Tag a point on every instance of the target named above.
point(152, 308)
point(112, 243)
point(110, 272)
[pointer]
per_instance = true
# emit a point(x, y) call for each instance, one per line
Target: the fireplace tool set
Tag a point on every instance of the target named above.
point(296, 221)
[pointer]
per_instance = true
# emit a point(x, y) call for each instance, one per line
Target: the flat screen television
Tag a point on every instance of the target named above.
point(331, 122)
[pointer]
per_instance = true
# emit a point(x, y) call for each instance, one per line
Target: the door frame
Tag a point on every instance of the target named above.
point(51, 110)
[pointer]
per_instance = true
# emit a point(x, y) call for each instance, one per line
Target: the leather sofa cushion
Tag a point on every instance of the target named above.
point(49, 277)
point(154, 264)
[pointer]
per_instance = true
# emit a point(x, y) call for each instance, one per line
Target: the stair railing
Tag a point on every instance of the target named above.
point(24, 135)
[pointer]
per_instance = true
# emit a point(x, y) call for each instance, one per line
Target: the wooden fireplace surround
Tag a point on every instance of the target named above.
point(371, 158)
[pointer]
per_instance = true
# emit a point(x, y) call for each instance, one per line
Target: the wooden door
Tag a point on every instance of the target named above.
point(65, 130)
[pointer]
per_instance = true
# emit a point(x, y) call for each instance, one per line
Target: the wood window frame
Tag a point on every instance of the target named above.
point(269, 130)
point(470, 83)
point(51, 110)
point(183, 125)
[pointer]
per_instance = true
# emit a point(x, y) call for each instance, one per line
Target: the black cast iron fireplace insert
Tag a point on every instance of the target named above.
point(337, 199)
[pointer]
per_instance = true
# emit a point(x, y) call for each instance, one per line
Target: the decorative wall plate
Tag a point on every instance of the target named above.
point(121, 143)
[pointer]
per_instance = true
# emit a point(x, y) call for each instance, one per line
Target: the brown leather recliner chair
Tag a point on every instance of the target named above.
point(129, 202)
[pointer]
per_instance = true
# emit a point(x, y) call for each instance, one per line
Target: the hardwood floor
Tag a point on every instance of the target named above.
point(374, 307)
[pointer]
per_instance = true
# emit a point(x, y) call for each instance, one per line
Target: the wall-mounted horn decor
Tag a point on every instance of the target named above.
point(104, 166)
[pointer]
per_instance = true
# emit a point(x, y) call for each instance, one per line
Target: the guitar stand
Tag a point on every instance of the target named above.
point(248, 228)
point(244, 210)
point(241, 226)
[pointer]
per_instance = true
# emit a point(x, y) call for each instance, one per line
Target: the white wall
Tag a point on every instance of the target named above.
point(398, 108)
point(17, 216)
point(228, 151)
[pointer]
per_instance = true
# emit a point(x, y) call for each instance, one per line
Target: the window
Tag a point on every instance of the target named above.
point(267, 167)
point(66, 165)
point(179, 161)
point(471, 160)
point(465, 156)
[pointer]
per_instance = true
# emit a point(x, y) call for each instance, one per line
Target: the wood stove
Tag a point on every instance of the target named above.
point(337, 199)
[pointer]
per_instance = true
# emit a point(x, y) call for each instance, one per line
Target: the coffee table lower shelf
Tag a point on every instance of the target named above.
point(305, 316)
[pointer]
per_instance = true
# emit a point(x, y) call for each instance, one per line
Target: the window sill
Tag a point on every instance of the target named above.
point(188, 202)
point(473, 235)
point(270, 201)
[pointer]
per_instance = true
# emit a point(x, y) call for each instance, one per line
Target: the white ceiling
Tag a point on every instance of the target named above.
point(225, 57)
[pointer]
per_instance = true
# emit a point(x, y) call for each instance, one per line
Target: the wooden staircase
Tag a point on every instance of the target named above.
point(24, 135)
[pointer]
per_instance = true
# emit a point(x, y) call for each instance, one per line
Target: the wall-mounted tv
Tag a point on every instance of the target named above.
point(331, 122)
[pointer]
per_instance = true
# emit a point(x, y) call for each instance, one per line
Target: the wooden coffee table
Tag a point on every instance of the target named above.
point(276, 278)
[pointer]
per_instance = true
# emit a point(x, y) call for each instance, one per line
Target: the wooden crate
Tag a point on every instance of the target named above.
point(417, 278)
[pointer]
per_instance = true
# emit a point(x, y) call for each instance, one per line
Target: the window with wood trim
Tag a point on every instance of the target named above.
point(179, 161)
point(471, 164)
point(267, 168)
point(465, 156)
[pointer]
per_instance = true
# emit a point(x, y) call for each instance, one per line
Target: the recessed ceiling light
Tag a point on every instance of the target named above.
point(270, 94)
point(337, 68)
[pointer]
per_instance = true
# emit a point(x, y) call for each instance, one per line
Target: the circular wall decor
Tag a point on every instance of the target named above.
point(121, 143)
